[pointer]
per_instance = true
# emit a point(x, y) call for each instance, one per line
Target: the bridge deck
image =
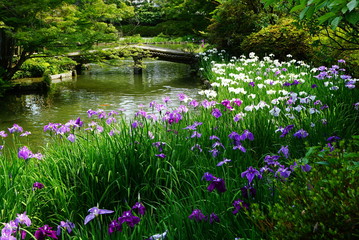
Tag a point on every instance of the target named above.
point(161, 53)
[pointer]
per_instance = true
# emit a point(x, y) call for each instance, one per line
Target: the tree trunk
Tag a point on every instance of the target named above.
point(7, 48)
point(8, 67)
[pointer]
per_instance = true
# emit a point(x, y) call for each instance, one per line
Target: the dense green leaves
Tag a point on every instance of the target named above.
point(54, 26)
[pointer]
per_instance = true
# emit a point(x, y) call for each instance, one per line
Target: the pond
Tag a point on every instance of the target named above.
point(101, 87)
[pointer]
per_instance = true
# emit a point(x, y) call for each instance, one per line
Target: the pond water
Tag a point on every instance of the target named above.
point(108, 88)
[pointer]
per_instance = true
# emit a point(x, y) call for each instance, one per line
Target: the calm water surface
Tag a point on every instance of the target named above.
point(108, 88)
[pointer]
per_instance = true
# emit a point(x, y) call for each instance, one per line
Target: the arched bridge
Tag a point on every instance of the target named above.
point(138, 52)
point(167, 54)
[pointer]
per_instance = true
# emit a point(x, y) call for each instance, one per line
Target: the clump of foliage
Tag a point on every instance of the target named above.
point(280, 39)
point(146, 13)
point(323, 203)
point(232, 21)
point(36, 67)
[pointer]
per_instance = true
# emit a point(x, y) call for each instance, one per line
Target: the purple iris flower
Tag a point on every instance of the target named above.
point(173, 117)
point(247, 135)
point(240, 147)
point(206, 104)
point(251, 84)
point(248, 191)
point(25, 134)
point(111, 113)
point(295, 82)
point(214, 137)
point(341, 61)
point(142, 113)
point(196, 134)
point(286, 130)
point(24, 153)
point(159, 145)
point(166, 99)
point(225, 160)
point(110, 120)
point(7, 232)
point(71, 138)
point(140, 208)
point(306, 168)
point(284, 150)
point(250, 173)
point(208, 177)
point(62, 130)
point(314, 85)
point(75, 123)
point(160, 107)
point(301, 134)
point(1, 147)
point(196, 146)
point(325, 106)
point(23, 219)
point(238, 205)
point(94, 212)
point(136, 124)
point(182, 109)
point(91, 112)
point(293, 166)
point(268, 159)
point(161, 155)
point(345, 77)
point(65, 225)
point(182, 97)
point(218, 184)
point(333, 139)
point(15, 128)
point(193, 103)
point(235, 136)
point(283, 172)
point(266, 169)
point(216, 113)
point(114, 226)
point(51, 127)
point(197, 215)
point(3, 134)
point(331, 147)
point(129, 218)
point(237, 101)
point(213, 218)
point(45, 231)
point(214, 152)
point(37, 185)
point(218, 144)
point(227, 104)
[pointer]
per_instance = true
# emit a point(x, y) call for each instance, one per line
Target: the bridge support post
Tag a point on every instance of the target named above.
point(137, 66)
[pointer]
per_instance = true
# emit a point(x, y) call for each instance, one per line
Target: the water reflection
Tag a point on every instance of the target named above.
point(108, 88)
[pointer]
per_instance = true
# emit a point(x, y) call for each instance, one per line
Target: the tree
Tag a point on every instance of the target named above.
point(52, 27)
point(233, 21)
point(193, 16)
point(338, 18)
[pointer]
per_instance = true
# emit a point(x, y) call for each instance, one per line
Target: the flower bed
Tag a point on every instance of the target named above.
point(255, 158)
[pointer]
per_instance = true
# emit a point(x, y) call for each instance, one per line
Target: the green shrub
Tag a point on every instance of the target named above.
point(280, 39)
point(36, 67)
point(322, 203)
